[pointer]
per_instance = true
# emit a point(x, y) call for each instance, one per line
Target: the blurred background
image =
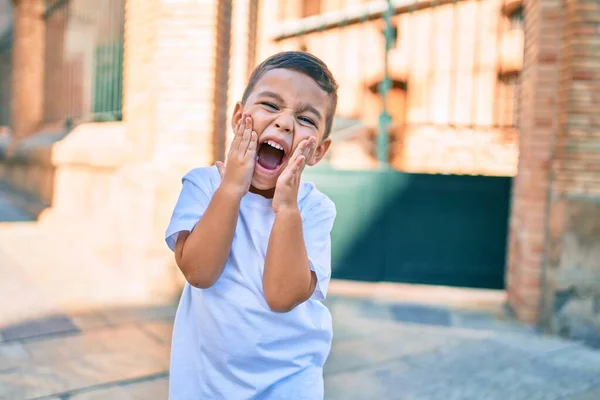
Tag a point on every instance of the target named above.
point(465, 168)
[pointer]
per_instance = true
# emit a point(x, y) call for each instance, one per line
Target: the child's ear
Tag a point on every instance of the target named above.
point(320, 152)
point(237, 115)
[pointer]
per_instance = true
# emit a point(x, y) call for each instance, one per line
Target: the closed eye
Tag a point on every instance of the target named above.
point(270, 105)
point(307, 120)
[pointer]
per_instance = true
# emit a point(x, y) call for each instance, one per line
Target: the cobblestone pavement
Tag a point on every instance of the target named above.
point(381, 351)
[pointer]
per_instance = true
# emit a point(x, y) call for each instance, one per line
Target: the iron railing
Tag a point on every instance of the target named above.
point(6, 45)
point(83, 60)
point(410, 68)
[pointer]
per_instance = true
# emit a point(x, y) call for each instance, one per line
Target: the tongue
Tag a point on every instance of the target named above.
point(269, 157)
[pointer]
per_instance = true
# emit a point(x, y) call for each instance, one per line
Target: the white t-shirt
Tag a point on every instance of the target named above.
point(227, 343)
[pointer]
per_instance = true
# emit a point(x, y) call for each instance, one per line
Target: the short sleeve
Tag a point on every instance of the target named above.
point(191, 205)
point(317, 226)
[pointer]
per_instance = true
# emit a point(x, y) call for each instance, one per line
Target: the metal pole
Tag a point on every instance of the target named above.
point(384, 118)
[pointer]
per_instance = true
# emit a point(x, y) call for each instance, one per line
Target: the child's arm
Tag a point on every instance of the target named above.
point(288, 280)
point(202, 254)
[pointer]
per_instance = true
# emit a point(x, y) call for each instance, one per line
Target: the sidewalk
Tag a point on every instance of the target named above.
point(390, 342)
point(380, 351)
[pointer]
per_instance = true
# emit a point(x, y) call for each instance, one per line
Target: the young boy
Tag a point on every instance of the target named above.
point(253, 242)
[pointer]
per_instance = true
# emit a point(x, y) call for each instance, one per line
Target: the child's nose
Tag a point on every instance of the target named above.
point(284, 123)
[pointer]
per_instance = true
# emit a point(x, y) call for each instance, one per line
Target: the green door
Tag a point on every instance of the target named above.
point(418, 228)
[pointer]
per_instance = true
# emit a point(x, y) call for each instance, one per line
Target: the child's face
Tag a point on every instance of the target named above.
point(286, 107)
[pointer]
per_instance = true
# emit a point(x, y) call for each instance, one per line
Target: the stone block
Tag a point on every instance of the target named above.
point(573, 269)
point(72, 363)
point(157, 388)
point(93, 145)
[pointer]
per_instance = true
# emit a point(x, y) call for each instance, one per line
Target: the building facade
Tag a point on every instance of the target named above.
point(110, 105)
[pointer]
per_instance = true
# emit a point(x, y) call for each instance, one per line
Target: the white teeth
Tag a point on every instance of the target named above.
point(274, 144)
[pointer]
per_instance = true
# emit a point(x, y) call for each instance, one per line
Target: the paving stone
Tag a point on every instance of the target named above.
point(90, 320)
point(40, 327)
point(159, 330)
point(419, 314)
point(372, 358)
point(531, 341)
point(380, 382)
point(587, 394)
point(151, 389)
point(12, 355)
point(138, 314)
point(60, 365)
point(486, 321)
point(384, 345)
point(471, 356)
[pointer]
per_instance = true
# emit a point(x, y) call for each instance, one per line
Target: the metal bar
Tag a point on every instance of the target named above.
point(431, 66)
point(453, 68)
point(384, 87)
point(109, 58)
point(496, 104)
point(475, 66)
point(51, 8)
point(350, 16)
point(412, 57)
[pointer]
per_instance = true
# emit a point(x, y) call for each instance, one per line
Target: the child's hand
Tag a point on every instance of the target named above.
point(286, 190)
point(237, 174)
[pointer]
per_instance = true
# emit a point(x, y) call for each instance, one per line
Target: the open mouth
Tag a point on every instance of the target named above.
point(270, 155)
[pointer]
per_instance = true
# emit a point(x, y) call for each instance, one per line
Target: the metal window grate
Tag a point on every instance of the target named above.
point(437, 66)
point(84, 60)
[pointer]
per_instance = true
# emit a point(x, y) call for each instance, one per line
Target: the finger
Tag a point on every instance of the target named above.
point(298, 165)
point(309, 148)
point(247, 135)
point(235, 144)
point(242, 123)
point(237, 134)
point(312, 153)
point(236, 130)
point(298, 151)
point(220, 168)
point(251, 152)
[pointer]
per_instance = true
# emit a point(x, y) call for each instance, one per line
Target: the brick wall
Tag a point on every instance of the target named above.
point(174, 99)
point(576, 165)
point(28, 67)
point(571, 291)
point(538, 106)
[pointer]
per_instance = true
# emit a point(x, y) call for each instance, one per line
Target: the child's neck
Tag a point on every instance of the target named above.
point(268, 193)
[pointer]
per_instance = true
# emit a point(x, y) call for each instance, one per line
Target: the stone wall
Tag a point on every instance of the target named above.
point(571, 292)
point(28, 67)
point(554, 252)
point(572, 267)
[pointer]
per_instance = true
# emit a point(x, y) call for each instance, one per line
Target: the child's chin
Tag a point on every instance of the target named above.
point(261, 183)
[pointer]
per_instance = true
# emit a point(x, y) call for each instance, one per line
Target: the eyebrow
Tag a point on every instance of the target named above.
point(303, 107)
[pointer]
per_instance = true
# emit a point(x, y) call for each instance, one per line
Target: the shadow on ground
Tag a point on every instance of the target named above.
point(380, 351)
point(9, 206)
